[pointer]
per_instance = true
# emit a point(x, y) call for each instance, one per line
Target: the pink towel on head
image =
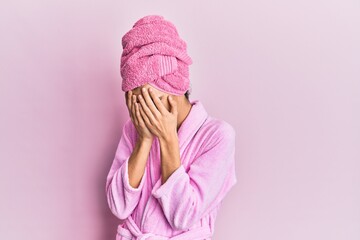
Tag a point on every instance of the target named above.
point(154, 53)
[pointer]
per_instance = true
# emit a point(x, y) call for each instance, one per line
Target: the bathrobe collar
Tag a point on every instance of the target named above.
point(193, 121)
point(188, 128)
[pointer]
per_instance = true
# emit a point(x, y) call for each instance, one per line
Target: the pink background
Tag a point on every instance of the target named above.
point(285, 74)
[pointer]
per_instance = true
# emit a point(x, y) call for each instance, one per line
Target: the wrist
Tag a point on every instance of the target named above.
point(169, 138)
point(144, 142)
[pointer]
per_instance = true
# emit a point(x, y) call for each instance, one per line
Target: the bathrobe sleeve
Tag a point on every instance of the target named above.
point(122, 198)
point(188, 196)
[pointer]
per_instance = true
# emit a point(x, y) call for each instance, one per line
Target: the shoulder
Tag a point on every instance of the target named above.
point(219, 127)
point(215, 127)
point(216, 141)
point(217, 131)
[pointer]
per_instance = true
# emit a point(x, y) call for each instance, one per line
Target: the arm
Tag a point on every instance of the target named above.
point(186, 197)
point(126, 176)
point(137, 162)
point(170, 156)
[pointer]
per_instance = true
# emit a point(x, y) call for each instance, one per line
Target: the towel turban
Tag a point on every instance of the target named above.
point(154, 53)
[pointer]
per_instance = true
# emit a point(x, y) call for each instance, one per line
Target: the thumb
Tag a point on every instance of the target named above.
point(173, 105)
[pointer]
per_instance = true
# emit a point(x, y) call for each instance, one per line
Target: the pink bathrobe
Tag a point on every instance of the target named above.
point(186, 205)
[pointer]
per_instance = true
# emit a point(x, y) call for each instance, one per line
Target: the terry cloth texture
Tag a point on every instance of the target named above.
point(186, 205)
point(154, 53)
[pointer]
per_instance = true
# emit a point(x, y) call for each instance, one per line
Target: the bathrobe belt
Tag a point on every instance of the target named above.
point(198, 233)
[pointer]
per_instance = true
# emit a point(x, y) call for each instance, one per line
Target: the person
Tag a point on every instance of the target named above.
point(174, 163)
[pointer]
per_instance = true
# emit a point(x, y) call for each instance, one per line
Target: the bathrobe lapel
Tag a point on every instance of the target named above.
point(191, 124)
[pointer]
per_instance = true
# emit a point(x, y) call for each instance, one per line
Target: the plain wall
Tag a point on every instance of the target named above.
point(285, 74)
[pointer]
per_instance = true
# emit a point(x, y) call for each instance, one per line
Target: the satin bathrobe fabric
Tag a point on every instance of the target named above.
point(186, 205)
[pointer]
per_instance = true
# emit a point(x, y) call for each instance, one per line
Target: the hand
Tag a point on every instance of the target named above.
point(136, 118)
point(157, 118)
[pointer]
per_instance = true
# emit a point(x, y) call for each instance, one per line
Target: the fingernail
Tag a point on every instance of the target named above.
point(144, 89)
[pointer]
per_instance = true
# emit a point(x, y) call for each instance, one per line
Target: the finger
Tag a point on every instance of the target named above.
point(128, 98)
point(133, 110)
point(128, 101)
point(173, 105)
point(147, 110)
point(150, 103)
point(159, 105)
point(138, 116)
point(144, 116)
